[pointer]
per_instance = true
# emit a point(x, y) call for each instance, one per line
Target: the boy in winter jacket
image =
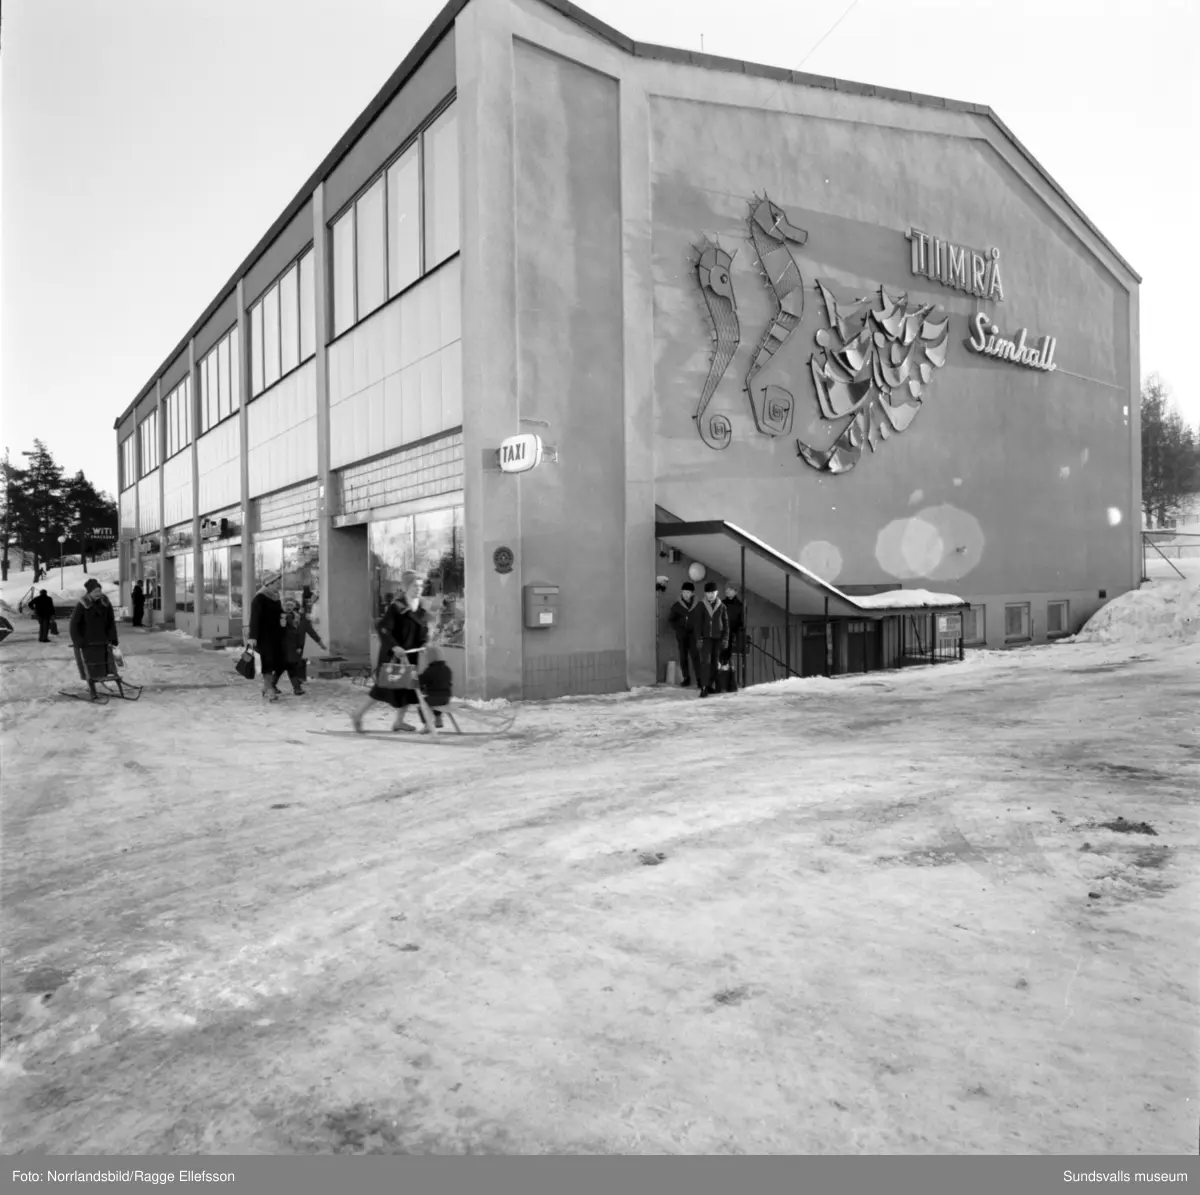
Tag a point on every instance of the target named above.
point(437, 683)
point(713, 629)
point(682, 620)
point(296, 631)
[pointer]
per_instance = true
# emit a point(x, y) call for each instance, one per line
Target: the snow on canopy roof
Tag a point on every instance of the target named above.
point(910, 599)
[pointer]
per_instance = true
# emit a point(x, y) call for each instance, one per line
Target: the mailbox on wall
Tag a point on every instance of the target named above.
point(541, 606)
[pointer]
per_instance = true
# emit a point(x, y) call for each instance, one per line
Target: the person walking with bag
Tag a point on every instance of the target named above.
point(267, 626)
point(681, 618)
point(713, 631)
point(43, 610)
point(138, 598)
point(403, 630)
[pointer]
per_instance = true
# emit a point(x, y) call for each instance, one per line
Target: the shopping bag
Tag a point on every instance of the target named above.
point(53, 626)
point(245, 665)
point(300, 672)
point(118, 659)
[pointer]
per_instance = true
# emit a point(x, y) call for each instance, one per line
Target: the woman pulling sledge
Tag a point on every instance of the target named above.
point(403, 631)
point(267, 626)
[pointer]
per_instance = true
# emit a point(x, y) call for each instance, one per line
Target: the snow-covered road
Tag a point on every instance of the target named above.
point(875, 914)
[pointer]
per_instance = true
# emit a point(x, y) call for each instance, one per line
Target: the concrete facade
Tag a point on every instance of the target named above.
point(590, 169)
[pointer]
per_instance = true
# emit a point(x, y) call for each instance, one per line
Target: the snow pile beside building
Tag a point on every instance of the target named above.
point(1154, 614)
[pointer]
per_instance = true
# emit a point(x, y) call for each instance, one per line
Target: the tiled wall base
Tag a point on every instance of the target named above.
point(575, 674)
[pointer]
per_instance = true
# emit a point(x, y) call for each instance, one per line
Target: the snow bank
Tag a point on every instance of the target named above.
point(909, 599)
point(1161, 613)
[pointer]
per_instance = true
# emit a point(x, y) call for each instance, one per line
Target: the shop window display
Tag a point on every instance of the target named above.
point(297, 557)
point(430, 544)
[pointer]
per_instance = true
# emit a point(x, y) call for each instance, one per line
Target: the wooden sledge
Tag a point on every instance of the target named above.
point(98, 667)
point(431, 733)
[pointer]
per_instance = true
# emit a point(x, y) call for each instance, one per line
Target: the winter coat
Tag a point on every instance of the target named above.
point(401, 626)
point(436, 683)
point(138, 598)
point(266, 629)
point(93, 622)
point(712, 620)
point(737, 620)
point(42, 606)
point(298, 630)
point(683, 619)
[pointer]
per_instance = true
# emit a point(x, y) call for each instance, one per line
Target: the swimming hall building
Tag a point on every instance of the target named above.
point(563, 318)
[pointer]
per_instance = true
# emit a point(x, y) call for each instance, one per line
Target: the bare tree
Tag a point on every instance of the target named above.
point(1170, 460)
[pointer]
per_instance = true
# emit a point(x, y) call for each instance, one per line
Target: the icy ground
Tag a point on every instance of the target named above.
point(876, 914)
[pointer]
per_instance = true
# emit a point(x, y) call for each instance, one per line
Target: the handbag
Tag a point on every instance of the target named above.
point(300, 672)
point(395, 675)
point(54, 626)
point(245, 665)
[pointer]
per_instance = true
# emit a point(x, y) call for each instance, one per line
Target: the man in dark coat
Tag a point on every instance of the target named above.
point(712, 624)
point(93, 633)
point(737, 625)
point(267, 626)
point(681, 618)
point(138, 597)
point(43, 610)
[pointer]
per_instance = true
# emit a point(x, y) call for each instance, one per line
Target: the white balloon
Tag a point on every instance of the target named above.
point(697, 571)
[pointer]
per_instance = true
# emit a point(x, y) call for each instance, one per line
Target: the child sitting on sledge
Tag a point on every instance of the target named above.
point(436, 682)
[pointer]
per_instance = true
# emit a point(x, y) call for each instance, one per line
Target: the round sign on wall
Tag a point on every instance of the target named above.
point(503, 558)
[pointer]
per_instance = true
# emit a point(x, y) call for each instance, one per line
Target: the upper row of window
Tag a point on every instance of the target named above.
point(283, 325)
point(403, 225)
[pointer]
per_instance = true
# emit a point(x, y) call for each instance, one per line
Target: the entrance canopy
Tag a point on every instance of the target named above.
point(770, 574)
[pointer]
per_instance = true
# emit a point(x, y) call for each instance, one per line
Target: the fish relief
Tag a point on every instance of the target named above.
point(877, 357)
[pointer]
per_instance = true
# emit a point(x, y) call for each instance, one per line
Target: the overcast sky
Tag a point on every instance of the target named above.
point(148, 144)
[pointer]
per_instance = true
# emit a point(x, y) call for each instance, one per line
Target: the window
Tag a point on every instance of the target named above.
point(403, 225)
point(1057, 618)
point(343, 273)
point(308, 307)
point(256, 349)
point(215, 597)
point(219, 387)
point(128, 462)
point(432, 545)
point(148, 437)
point(235, 372)
point(369, 250)
point(185, 584)
point(404, 220)
point(441, 188)
point(178, 408)
point(974, 628)
point(270, 337)
point(1016, 622)
point(289, 320)
point(283, 326)
point(223, 407)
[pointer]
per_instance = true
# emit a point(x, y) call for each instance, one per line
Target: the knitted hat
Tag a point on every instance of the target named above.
point(711, 587)
point(688, 587)
point(91, 584)
point(271, 579)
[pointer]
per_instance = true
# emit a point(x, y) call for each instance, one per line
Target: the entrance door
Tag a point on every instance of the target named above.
point(812, 649)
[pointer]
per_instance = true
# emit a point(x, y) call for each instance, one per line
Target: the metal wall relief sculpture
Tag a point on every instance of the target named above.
point(874, 365)
point(877, 356)
point(770, 233)
point(716, 285)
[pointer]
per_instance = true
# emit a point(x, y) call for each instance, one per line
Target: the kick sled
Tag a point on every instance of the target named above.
point(98, 669)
